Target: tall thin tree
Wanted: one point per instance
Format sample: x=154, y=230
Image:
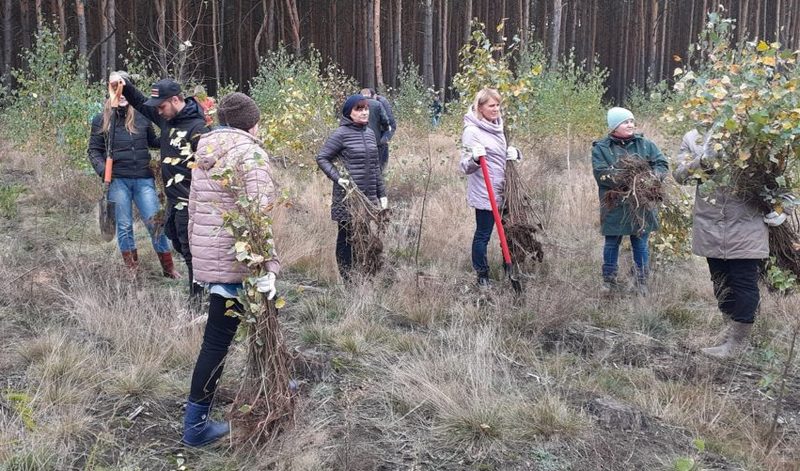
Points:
x=427, y=44
x=376, y=18
x=556, y=34
x=80, y=13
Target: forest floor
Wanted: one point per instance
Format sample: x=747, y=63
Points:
x=412, y=369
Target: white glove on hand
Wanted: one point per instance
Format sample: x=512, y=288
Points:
x=477, y=151
x=343, y=182
x=512, y=153
x=789, y=202
x=266, y=284
x=384, y=202
x=774, y=219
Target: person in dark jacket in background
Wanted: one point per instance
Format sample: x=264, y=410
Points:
x=129, y=135
x=733, y=235
x=624, y=219
x=354, y=145
x=182, y=122
x=382, y=123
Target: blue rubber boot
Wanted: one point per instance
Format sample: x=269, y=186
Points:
x=198, y=430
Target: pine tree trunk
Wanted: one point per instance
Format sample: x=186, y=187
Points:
x=377, y=39
x=369, y=42
x=427, y=45
x=467, y=20
x=294, y=20
x=665, y=19
x=444, y=46
x=651, y=67
x=62, y=25
x=398, y=39
x=7, y=40
x=39, y=16
x=161, y=33
x=80, y=12
x=103, y=36
x=556, y=36
x=112, y=41
x=261, y=29
x=214, y=46
x=25, y=19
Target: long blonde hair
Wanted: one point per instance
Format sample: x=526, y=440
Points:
x=482, y=97
x=129, y=118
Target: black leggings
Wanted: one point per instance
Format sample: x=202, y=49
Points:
x=217, y=337
x=344, y=251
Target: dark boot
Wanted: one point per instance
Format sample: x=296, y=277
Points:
x=198, y=430
x=131, y=259
x=167, y=266
x=735, y=341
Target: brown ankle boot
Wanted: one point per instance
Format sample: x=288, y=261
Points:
x=131, y=259
x=168, y=266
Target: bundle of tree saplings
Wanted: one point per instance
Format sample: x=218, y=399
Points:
x=264, y=404
x=520, y=220
x=637, y=186
x=368, y=224
x=745, y=99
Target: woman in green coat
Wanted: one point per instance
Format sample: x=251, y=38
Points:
x=624, y=219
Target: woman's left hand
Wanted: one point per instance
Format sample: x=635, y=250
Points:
x=266, y=284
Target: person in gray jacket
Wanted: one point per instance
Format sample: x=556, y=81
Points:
x=733, y=236
x=355, y=146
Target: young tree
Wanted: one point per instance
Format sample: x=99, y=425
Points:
x=294, y=20
x=7, y=42
x=369, y=43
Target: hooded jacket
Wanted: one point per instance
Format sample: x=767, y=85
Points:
x=183, y=130
x=620, y=220
x=355, y=146
x=130, y=151
x=213, y=257
x=723, y=225
x=489, y=135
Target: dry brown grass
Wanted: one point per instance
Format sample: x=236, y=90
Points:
x=412, y=368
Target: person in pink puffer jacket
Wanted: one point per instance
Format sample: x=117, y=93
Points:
x=483, y=136
x=232, y=145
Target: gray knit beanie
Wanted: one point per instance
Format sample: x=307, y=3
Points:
x=238, y=110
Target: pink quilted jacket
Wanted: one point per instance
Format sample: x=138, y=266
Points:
x=213, y=259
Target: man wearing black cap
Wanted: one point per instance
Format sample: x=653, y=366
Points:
x=181, y=122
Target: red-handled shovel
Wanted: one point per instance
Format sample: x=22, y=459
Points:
x=501, y=233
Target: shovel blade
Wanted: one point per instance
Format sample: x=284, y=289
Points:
x=106, y=219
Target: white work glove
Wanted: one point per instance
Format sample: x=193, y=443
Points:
x=512, y=153
x=477, y=151
x=266, y=284
x=343, y=182
x=789, y=202
x=774, y=219
x=384, y=202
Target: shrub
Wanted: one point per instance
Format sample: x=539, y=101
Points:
x=52, y=106
x=412, y=100
x=299, y=101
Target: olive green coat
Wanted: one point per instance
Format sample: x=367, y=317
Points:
x=620, y=219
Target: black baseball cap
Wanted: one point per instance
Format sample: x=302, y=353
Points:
x=161, y=90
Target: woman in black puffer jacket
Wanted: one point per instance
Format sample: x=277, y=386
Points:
x=354, y=144
x=129, y=135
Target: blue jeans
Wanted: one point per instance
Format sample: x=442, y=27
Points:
x=142, y=191
x=641, y=256
x=484, y=223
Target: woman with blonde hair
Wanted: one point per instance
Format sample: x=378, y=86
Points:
x=483, y=136
x=127, y=135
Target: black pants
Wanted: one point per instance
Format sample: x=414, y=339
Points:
x=736, y=287
x=176, y=228
x=344, y=251
x=217, y=338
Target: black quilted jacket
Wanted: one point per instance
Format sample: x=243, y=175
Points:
x=355, y=147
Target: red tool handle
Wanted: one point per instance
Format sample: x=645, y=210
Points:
x=107, y=174
x=496, y=212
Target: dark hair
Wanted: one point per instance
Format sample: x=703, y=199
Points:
x=361, y=105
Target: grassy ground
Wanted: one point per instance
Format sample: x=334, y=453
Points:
x=412, y=369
